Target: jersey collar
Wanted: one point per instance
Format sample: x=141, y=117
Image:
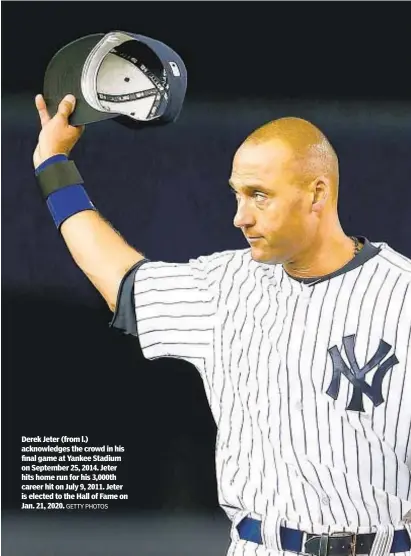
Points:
x=367, y=252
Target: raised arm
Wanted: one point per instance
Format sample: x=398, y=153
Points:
x=99, y=250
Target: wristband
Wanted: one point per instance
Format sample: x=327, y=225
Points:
x=51, y=160
x=61, y=186
x=65, y=202
x=56, y=173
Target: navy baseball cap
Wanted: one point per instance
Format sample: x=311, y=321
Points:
x=133, y=79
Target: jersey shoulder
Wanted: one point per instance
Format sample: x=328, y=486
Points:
x=221, y=260
x=215, y=272
x=393, y=259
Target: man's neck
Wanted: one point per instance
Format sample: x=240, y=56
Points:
x=323, y=259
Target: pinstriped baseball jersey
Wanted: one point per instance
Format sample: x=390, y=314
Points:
x=309, y=383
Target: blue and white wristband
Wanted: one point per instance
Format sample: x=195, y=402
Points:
x=61, y=186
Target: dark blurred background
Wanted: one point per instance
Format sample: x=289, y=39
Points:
x=343, y=66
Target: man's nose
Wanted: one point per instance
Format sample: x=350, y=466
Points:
x=244, y=217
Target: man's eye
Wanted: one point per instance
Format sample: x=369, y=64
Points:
x=259, y=196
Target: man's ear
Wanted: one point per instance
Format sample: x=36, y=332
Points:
x=321, y=192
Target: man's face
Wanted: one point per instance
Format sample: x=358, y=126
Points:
x=274, y=211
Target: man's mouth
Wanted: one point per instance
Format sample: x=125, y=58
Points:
x=252, y=239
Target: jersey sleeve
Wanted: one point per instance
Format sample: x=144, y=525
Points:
x=170, y=307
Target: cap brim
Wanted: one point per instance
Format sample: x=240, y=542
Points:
x=63, y=76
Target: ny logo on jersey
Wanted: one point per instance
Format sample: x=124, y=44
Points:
x=357, y=376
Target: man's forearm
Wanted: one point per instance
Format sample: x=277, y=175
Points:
x=99, y=251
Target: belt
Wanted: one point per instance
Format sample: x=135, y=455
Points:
x=335, y=544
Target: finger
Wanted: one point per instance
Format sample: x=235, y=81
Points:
x=42, y=110
x=66, y=106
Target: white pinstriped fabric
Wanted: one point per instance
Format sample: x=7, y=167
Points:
x=267, y=348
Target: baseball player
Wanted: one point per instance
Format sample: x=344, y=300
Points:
x=302, y=341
